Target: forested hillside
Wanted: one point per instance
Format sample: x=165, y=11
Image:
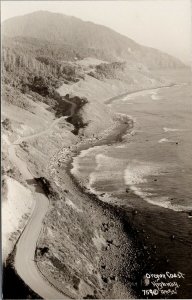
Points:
x=41, y=51
x=80, y=39
x=25, y=66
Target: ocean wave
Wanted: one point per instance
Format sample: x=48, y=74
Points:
x=164, y=140
x=171, y=129
x=155, y=96
x=137, y=173
x=142, y=93
x=159, y=201
x=108, y=176
x=108, y=172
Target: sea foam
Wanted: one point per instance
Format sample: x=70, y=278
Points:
x=171, y=129
x=137, y=171
x=155, y=96
x=136, y=174
x=164, y=140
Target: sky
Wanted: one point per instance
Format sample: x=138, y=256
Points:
x=161, y=24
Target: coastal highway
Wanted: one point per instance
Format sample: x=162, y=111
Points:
x=25, y=248
x=25, y=265
x=25, y=251
x=55, y=122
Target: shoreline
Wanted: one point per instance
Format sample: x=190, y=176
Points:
x=111, y=100
x=162, y=240
x=110, y=212
x=109, y=132
x=130, y=231
x=147, y=239
x=132, y=228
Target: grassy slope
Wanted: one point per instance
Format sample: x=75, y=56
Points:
x=99, y=86
x=30, y=107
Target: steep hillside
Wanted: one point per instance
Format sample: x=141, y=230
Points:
x=58, y=73
x=61, y=29
x=39, y=68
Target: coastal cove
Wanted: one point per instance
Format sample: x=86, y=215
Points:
x=96, y=155
x=163, y=225
x=145, y=227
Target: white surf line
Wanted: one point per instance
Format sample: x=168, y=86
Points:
x=153, y=92
x=134, y=176
x=154, y=96
x=123, y=97
x=139, y=93
x=172, y=129
x=164, y=140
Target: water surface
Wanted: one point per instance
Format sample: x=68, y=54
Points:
x=155, y=158
x=149, y=176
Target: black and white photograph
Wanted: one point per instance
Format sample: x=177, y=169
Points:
x=96, y=155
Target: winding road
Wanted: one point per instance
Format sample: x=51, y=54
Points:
x=27, y=243
x=55, y=122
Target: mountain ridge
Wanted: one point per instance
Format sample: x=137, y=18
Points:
x=63, y=29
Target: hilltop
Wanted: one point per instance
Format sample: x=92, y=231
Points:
x=86, y=38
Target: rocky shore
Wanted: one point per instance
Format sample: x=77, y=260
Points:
x=107, y=255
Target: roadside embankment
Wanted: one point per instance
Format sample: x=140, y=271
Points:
x=88, y=246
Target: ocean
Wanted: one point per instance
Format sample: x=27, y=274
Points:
x=150, y=173
x=155, y=158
